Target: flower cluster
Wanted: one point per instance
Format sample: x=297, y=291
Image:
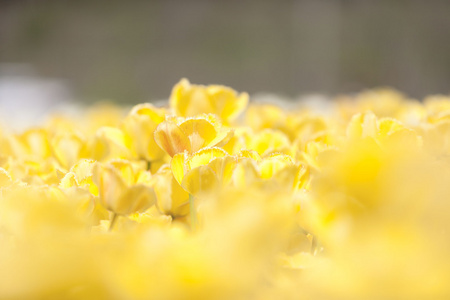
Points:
x=215, y=198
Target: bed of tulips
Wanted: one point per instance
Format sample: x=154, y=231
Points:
x=213, y=197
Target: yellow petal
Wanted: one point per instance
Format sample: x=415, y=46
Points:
x=180, y=199
x=83, y=169
x=226, y=103
x=200, y=180
x=179, y=166
x=292, y=176
x=245, y=173
x=404, y=140
x=274, y=163
x=81, y=198
x=312, y=151
x=388, y=126
x=302, y=177
x=200, y=133
x=68, y=180
x=161, y=183
x=172, y=199
x=114, y=142
x=177, y=99
x=143, y=176
x=37, y=142
x=264, y=116
x=140, y=126
x=110, y=185
x=204, y=157
x=171, y=138
x=224, y=168
x=66, y=148
x=189, y=100
x=362, y=125
x=249, y=154
x=147, y=109
x=269, y=141
x=125, y=170
x=135, y=199
x=223, y=137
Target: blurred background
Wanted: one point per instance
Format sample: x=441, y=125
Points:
x=135, y=51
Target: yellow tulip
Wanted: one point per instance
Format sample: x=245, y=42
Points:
x=265, y=116
x=107, y=143
x=383, y=102
x=216, y=174
x=176, y=136
x=362, y=125
x=139, y=126
x=386, y=131
x=306, y=127
x=103, y=114
x=190, y=100
x=171, y=198
x=123, y=190
x=66, y=148
x=182, y=163
x=270, y=141
x=81, y=175
x=311, y=153
x=33, y=144
x=284, y=171
x=437, y=108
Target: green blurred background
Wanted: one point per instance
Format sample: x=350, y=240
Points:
x=134, y=51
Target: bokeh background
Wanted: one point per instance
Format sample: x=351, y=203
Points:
x=135, y=51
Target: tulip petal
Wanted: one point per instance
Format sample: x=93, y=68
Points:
x=205, y=156
x=171, y=138
x=200, y=180
x=200, y=133
x=179, y=166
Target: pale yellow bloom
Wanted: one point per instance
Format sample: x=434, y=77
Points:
x=269, y=141
x=81, y=175
x=192, y=134
x=33, y=144
x=190, y=100
x=107, y=143
x=140, y=125
x=265, y=116
x=66, y=148
x=122, y=189
x=195, y=172
x=171, y=198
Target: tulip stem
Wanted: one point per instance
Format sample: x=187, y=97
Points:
x=149, y=165
x=193, y=212
x=113, y=221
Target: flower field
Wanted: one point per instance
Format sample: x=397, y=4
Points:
x=214, y=196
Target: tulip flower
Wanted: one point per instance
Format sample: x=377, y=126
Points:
x=191, y=100
x=123, y=190
x=171, y=198
x=139, y=126
x=192, y=134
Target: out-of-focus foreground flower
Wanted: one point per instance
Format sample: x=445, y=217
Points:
x=214, y=198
